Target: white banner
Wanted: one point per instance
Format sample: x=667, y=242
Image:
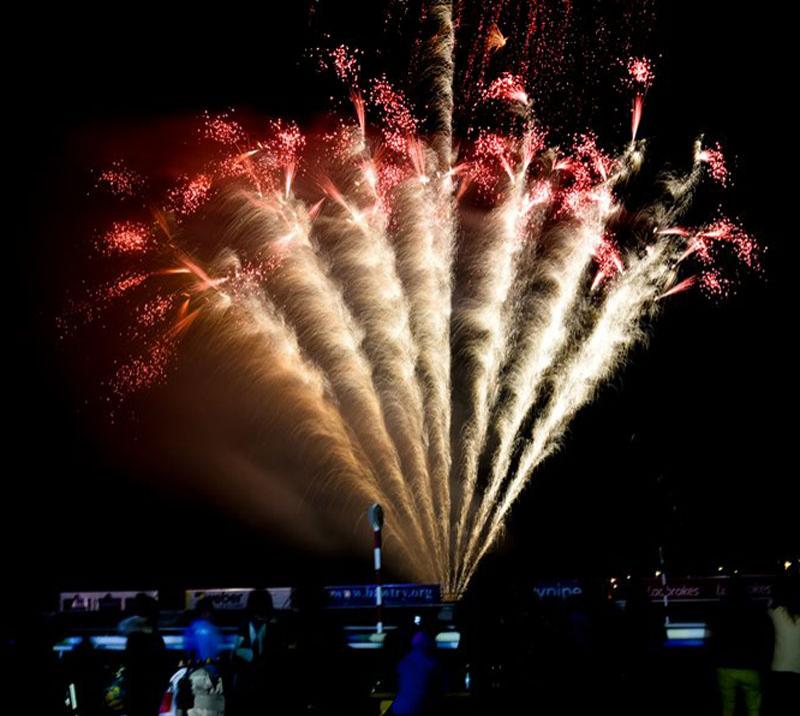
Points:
x=237, y=598
x=97, y=601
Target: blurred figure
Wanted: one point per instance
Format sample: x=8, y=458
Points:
x=85, y=672
x=784, y=686
x=642, y=635
x=196, y=691
x=35, y=676
x=420, y=679
x=486, y=641
x=740, y=649
x=144, y=659
x=550, y=672
x=320, y=678
x=254, y=654
x=589, y=624
x=202, y=639
x=259, y=626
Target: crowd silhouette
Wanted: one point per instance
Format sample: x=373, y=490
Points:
x=518, y=653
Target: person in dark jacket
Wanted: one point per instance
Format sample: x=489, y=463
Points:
x=740, y=640
x=255, y=654
x=145, y=659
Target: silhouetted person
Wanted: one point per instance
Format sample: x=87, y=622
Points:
x=588, y=625
x=784, y=686
x=321, y=681
x=254, y=656
x=85, y=671
x=549, y=669
x=517, y=650
x=144, y=659
x=420, y=679
x=740, y=648
x=641, y=636
x=35, y=676
x=487, y=640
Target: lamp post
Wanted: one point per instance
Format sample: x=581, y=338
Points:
x=376, y=521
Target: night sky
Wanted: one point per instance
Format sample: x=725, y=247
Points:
x=690, y=446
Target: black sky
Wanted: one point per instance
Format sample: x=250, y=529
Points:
x=691, y=446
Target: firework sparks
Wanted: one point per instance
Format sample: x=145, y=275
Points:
x=369, y=281
x=126, y=237
x=640, y=70
x=189, y=194
x=496, y=40
x=717, y=166
x=222, y=129
x=506, y=87
x=120, y=181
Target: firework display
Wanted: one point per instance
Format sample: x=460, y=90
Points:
x=422, y=311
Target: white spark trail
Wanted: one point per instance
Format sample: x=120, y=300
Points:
x=327, y=330
x=616, y=329
x=481, y=323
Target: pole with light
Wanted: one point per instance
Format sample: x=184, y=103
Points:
x=376, y=521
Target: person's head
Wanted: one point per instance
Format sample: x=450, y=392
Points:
x=735, y=593
x=786, y=593
x=638, y=597
x=205, y=609
x=143, y=605
x=422, y=642
x=259, y=604
x=309, y=598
